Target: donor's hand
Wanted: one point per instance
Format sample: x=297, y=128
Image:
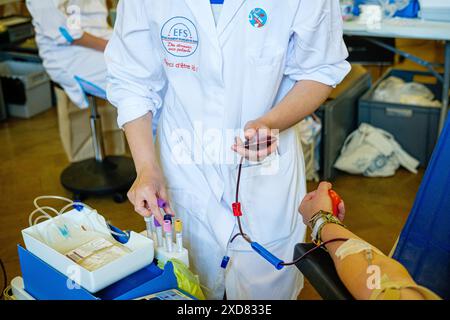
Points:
x=319, y=200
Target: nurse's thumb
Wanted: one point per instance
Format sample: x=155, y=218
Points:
x=250, y=133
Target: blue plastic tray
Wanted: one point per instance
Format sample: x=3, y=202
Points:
x=44, y=282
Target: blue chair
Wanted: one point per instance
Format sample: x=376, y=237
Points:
x=102, y=175
x=424, y=244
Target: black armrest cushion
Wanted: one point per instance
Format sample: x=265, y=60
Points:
x=318, y=268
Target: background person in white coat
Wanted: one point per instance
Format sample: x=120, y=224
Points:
x=71, y=36
x=245, y=64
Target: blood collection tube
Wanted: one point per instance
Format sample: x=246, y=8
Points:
x=162, y=204
x=168, y=217
x=159, y=234
x=179, y=234
x=168, y=233
x=149, y=226
x=150, y=223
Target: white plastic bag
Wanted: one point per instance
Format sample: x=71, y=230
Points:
x=387, y=90
x=374, y=153
x=380, y=9
x=395, y=90
x=310, y=131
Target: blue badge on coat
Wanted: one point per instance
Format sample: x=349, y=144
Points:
x=258, y=18
x=179, y=37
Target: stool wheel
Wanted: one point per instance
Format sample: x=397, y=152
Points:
x=120, y=197
x=80, y=197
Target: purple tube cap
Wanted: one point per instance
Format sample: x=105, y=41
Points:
x=157, y=224
x=162, y=204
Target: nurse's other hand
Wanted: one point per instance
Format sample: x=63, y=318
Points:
x=144, y=194
x=262, y=141
x=319, y=200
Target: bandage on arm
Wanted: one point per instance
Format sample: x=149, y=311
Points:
x=352, y=264
x=92, y=42
x=401, y=290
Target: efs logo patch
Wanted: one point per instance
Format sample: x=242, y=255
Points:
x=179, y=37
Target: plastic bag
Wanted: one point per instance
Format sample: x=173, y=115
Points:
x=395, y=90
x=389, y=8
x=64, y=234
x=310, y=131
x=346, y=9
x=387, y=90
x=374, y=153
x=418, y=94
x=187, y=281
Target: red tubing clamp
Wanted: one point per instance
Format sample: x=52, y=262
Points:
x=237, y=209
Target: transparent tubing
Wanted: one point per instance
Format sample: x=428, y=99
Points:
x=70, y=204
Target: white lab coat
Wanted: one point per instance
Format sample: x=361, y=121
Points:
x=61, y=60
x=220, y=77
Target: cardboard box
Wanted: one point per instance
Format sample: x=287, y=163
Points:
x=75, y=130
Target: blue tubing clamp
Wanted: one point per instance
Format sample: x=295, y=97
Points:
x=263, y=252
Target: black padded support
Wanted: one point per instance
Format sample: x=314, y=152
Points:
x=318, y=268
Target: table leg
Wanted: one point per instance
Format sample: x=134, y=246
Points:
x=446, y=85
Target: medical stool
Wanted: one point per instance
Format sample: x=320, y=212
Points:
x=102, y=175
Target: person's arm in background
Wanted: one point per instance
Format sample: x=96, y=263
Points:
x=61, y=26
x=89, y=41
x=315, y=60
x=136, y=76
x=353, y=269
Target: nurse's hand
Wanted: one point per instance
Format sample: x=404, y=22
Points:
x=144, y=194
x=319, y=200
x=261, y=141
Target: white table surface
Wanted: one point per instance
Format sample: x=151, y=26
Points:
x=400, y=28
